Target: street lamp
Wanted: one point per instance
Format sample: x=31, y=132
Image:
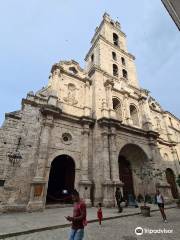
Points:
x=15, y=157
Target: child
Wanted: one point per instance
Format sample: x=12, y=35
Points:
x=99, y=213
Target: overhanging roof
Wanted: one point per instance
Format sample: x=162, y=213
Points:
x=173, y=7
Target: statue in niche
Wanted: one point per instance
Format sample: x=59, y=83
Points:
x=70, y=99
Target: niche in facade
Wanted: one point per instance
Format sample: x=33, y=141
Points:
x=117, y=107
x=134, y=115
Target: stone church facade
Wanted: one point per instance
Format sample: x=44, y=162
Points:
x=87, y=129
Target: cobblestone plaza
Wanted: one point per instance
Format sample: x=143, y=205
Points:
x=119, y=229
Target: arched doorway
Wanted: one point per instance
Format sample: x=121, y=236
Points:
x=131, y=158
x=171, y=180
x=125, y=175
x=61, y=180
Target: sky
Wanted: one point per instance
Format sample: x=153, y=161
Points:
x=36, y=34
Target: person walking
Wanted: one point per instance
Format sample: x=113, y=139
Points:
x=160, y=202
x=119, y=199
x=99, y=213
x=78, y=219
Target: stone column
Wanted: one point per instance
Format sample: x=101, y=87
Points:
x=37, y=196
x=105, y=155
x=107, y=184
x=43, y=147
x=114, y=164
x=113, y=156
x=85, y=153
x=127, y=109
x=87, y=99
x=108, y=86
x=84, y=183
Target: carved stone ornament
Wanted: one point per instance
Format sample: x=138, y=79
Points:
x=71, y=99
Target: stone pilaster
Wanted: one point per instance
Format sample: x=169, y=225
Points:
x=107, y=184
x=85, y=183
x=127, y=109
x=43, y=148
x=87, y=99
x=85, y=153
x=114, y=166
x=108, y=87
x=105, y=154
x=113, y=156
x=38, y=184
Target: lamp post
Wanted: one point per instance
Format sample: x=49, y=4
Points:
x=15, y=157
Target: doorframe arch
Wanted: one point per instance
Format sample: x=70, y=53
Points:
x=175, y=193
x=76, y=156
x=132, y=160
x=140, y=146
x=57, y=160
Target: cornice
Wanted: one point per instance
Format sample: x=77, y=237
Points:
x=175, y=129
x=70, y=62
x=11, y=115
x=50, y=110
x=106, y=122
x=57, y=113
x=172, y=115
x=118, y=48
x=155, y=110
x=96, y=68
x=84, y=80
x=166, y=143
x=129, y=55
x=114, y=27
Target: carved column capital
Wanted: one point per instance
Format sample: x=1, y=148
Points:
x=109, y=83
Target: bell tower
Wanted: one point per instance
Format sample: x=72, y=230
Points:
x=109, y=53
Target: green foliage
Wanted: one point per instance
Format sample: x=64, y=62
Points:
x=147, y=173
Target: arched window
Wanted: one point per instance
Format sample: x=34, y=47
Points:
x=125, y=74
x=171, y=122
x=115, y=39
x=114, y=56
x=111, y=22
x=117, y=107
x=115, y=70
x=123, y=61
x=171, y=179
x=134, y=115
x=73, y=70
x=92, y=58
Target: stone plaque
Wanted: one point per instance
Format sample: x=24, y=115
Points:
x=38, y=190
